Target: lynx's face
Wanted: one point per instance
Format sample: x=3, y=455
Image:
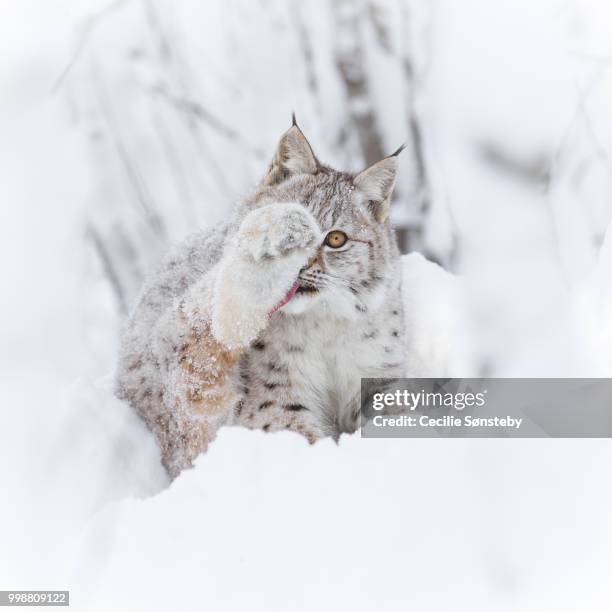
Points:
x=348, y=272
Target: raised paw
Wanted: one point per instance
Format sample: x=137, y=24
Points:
x=259, y=269
x=276, y=230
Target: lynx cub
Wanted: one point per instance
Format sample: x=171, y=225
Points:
x=270, y=321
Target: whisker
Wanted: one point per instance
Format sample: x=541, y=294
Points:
x=332, y=281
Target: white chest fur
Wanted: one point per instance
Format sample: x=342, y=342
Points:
x=326, y=357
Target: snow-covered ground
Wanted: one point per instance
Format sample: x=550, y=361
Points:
x=268, y=522
x=514, y=101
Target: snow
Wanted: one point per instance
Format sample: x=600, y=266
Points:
x=514, y=103
x=268, y=522
x=437, y=322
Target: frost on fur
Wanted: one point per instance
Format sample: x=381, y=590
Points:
x=263, y=323
x=260, y=265
x=196, y=317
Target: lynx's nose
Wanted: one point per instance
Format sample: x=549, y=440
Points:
x=315, y=259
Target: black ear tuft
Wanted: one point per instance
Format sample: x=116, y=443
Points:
x=398, y=151
x=293, y=120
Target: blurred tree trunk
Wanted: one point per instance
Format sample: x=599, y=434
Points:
x=350, y=18
x=355, y=23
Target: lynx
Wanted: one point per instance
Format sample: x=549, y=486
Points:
x=271, y=320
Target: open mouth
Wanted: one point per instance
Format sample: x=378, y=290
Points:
x=296, y=289
x=306, y=289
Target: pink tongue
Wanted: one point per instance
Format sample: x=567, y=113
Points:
x=288, y=297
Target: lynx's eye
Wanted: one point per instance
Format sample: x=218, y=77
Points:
x=335, y=239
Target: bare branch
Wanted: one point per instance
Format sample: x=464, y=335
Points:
x=86, y=28
x=107, y=265
x=198, y=111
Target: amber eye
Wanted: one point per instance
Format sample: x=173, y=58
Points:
x=335, y=239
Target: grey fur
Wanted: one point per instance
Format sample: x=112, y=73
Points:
x=303, y=371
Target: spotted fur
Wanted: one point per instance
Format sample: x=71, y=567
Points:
x=189, y=368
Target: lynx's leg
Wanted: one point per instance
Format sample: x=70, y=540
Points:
x=219, y=318
x=282, y=411
x=199, y=396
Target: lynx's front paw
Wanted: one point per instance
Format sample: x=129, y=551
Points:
x=258, y=271
x=276, y=230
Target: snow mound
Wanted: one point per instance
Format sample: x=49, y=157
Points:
x=264, y=521
x=117, y=456
x=267, y=522
x=437, y=323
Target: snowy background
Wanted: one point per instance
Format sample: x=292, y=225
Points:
x=126, y=124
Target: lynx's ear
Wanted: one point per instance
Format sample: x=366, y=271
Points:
x=376, y=184
x=293, y=156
